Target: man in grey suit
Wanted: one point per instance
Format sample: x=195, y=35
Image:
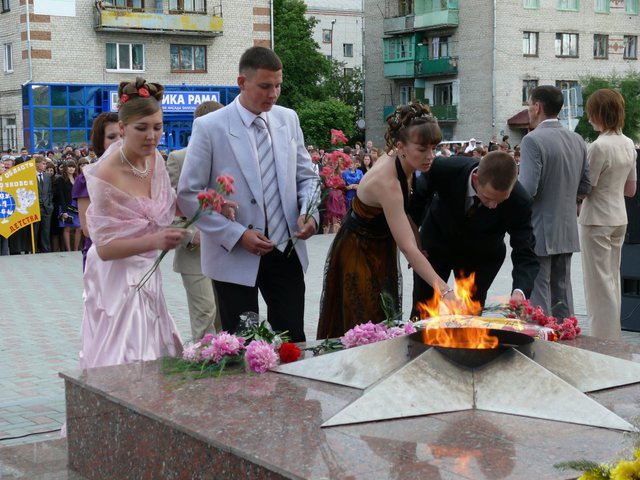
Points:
x=42, y=229
x=553, y=169
x=201, y=295
x=261, y=146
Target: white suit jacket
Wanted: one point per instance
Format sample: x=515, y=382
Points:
x=553, y=169
x=221, y=144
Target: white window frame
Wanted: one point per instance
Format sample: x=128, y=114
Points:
x=600, y=51
x=347, y=50
x=407, y=94
x=564, y=44
x=326, y=35
x=5, y=6
x=630, y=47
x=527, y=86
x=8, y=58
x=631, y=7
x=531, y=4
x=118, y=67
x=197, y=6
x=347, y=71
x=529, y=47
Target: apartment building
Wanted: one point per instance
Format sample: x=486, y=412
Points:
x=63, y=60
x=339, y=31
x=476, y=61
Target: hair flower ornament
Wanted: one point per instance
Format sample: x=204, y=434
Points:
x=143, y=92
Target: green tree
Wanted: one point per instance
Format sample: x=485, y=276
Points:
x=303, y=65
x=318, y=117
x=629, y=87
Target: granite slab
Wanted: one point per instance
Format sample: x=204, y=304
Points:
x=134, y=421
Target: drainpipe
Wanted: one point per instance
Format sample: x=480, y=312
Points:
x=273, y=41
x=28, y=44
x=493, y=69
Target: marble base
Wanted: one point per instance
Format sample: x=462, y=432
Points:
x=133, y=421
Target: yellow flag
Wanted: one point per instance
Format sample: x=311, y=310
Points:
x=19, y=205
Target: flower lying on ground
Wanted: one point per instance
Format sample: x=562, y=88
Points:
x=369, y=332
x=257, y=345
x=522, y=309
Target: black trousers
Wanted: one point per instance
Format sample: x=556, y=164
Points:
x=281, y=283
x=486, y=266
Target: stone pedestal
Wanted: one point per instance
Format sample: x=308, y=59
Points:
x=133, y=421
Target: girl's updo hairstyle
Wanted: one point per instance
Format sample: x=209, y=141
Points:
x=138, y=99
x=412, y=122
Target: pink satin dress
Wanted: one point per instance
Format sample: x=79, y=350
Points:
x=121, y=324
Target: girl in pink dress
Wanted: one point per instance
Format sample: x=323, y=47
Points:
x=132, y=203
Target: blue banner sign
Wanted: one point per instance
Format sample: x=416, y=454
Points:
x=175, y=101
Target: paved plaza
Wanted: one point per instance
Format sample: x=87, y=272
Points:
x=40, y=317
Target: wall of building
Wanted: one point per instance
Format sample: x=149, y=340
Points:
x=69, y=50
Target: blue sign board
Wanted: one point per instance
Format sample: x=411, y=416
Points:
x=183, y=102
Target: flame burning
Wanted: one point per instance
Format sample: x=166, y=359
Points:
x=465, y=288
x=472, y=338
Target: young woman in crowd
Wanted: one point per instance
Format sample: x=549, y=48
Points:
x=68, y=219
x=363, y=260
x=603, y=216
x=104, y=132
x=132, y=203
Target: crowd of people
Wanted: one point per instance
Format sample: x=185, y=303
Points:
x=448, y=208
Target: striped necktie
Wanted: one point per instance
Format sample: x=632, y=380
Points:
x=276, y=223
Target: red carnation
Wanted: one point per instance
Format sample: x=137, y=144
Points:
x=124, y=98
x=289, y=352
x=143, y=92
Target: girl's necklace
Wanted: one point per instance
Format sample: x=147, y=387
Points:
x=136, y=171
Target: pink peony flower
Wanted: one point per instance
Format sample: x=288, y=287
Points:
x=261, y=356
x=190, y=352
x=364, y=334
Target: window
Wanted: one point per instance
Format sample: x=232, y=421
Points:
x=440, y=47
x=531, y=4
x=133, y=4
x=398, y=48
x=188, y=6
x=601, y=6
x=530, y=43
x=125, y=56
x=527, y=86
x=405, y=7
x=8, y=57
x=326, y=36
x=406, y=94
x=572, y=93
x=5, y=6
x=566, y=44
x=443, y=94
x=188, y=58
x=630, y=47
x=347, y=72
x=600, y=43
x=572, y=5
x=347, y=49
x=631, y=7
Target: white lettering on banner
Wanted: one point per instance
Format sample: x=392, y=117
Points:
x=173, y=99
x=197, y=99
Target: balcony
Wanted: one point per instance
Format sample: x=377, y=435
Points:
x=403, y=69
x=395, y=25
x=127, y=20
x=436, y=67
x=445, y=113
x=446, y=16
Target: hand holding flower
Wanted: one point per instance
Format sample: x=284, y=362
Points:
x=307, y=226
x=168, y=238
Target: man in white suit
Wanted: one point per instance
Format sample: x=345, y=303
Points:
x=553, y=169
x=239, y=255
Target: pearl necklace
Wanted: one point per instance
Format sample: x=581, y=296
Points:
x=136, y=171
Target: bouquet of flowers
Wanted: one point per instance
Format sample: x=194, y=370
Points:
x=256, y=344
x=208, y=202
x=622, y=470
x=567, y=330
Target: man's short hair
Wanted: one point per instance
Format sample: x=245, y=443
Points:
x=259, y=57
x=550, y=97
x=207, y=107
x=499, y=170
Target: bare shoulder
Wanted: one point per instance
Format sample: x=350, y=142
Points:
x=379, y=183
